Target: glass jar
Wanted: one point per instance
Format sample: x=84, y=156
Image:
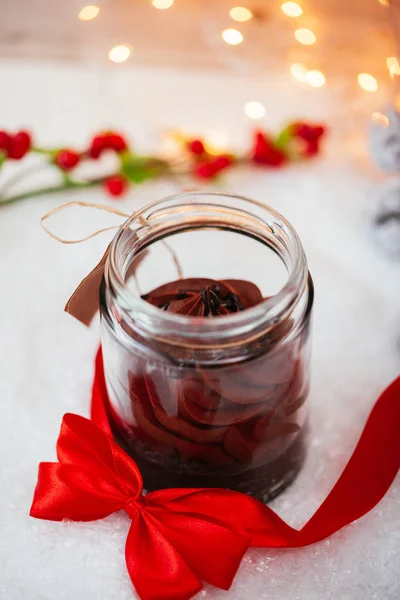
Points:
x=209, y=402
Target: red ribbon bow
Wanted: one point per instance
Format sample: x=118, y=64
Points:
x=181, y=537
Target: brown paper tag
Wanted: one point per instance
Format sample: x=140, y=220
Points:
x=84, y=302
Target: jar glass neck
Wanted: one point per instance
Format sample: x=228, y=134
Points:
x=201, y=210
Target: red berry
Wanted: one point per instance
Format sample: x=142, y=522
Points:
x=297, y=128
x=264, y=153
x=204, y=170
x=99, y=143
x=309, y=133
x=116, y=142
x=196, y=147
x=117, y=185
x=210, y=169
x=67, y=159
x=311, y=148
x=107, y=141
x=5, y=141
x=19, y=145
x=319, y=130
x=222, y=162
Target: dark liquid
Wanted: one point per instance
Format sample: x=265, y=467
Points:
x=262, y=482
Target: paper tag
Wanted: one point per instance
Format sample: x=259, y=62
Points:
x=84, y=302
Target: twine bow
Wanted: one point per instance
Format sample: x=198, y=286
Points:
x=84, y=302
x=103, y=207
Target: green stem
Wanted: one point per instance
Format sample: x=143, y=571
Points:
x=52, y=190
x=43, y=151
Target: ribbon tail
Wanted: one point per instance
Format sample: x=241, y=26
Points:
x=156, y=569
x=366, y=477
x=98, y=413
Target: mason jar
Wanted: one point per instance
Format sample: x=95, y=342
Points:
x=200, y=401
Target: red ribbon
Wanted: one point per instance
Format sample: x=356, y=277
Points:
x=181, y=537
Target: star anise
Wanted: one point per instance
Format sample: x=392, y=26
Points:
x=205, y=297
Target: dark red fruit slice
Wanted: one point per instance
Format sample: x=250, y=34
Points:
x=244, y=443
x=158, y=387
x=156, y=432
x=227, y=414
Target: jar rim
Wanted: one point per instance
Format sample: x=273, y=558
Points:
x=271, y=310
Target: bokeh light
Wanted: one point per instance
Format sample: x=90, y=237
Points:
x=254, y=110
x=298, y=71
x=393, y=66
x=216, y=142
x=233, y=37
x=120, y=53
x=89, y=12
x=305, y=36
x=367, y=82
x=162, y=4
x=291, y=9
x=315, y=78
x=241, y=14
x=380, y=119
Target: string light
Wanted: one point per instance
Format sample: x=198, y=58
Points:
x=380, y=119
x=233, y=37
x=241, y=14
x=305, y=36
x=392, y=61
x=367, y=82
x=315, y=78
x=119, y=53
x=298, y=71
x=254, y=110
x=89, y=12
x=393, y=66
x=162, y=4
x=291, y=9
